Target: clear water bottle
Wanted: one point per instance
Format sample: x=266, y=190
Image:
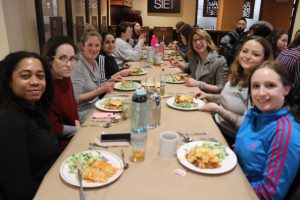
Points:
x=139, y=122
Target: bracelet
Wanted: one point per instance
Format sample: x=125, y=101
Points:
x=201, y=85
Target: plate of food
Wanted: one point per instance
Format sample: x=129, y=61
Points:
x=207, y=157
x=110, y=104
x=185, y=102
x=98, y=168
x=127, y=85
x=137, y=71
x=175, y=78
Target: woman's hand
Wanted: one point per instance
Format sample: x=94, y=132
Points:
x=210, y=107
x=126, y=66
x=201, y=95
x=190, y=82
x=116, y=78
x=108, y=86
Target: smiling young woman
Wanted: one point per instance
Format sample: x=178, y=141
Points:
x=230, y=106
x=268, y=142
x=27, y=146
x=87, y=83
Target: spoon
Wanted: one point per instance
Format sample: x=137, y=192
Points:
x=186, y=137
x=126, y=165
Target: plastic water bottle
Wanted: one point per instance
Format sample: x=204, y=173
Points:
x=139, y=122
x=153, y=41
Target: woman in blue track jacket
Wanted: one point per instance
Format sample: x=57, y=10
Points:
x=268, y=142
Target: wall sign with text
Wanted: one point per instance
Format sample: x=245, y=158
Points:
x=248, y=8
x=210, y=8
x=164, y=6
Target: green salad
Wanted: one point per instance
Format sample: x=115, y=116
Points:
x=127, y=85
x=218, y=149
x=82, y=159
x=185, y=105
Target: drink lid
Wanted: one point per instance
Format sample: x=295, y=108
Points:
x=140, y=95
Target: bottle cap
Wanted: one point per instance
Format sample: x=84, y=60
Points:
x=140, y=95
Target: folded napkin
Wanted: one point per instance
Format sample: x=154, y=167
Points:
x=102, y=115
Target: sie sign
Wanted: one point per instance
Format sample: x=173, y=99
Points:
x=164, y=6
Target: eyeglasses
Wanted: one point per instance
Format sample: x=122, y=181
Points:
x=198, y=40
x=63, y=59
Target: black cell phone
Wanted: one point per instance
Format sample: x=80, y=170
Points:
x=115, y=137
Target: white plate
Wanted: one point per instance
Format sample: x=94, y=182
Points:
x=139, y=74
x=101, y=103
x=226, y=165
x=117, y=86
x=171, y=101
x=175, y=82
x=71, y=178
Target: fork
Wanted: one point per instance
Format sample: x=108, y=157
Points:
x=79, y=173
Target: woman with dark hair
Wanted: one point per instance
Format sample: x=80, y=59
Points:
x=230, y=106
x=290, y=58
x=27, y=146
x=207, y=68
x=124, y=51
x=107, y=62
x=86, y=76
x=278, y=40
x=136, y=32
x=268, y=143
x=61, y=54
x=185, y=33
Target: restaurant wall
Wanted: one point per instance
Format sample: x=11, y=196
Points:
x=278, y=14
x=187, y=14
x=297, y=21
x=4, y=50
x=226, y=18
x=20, y=23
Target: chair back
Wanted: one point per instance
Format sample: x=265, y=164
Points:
x=163, y=32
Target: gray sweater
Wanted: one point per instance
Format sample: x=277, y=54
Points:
x=124, y=52
x=234, y=99
x=213, y=70
x=85, y=79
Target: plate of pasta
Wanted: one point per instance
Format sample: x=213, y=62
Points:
x=137, y=71
x=185, y=102
x=110, y=104
x=98, y=168
x=207, y=157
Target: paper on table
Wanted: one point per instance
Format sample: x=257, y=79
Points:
x=101, y=115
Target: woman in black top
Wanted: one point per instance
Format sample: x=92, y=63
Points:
x=27, y=146
x=107, y=62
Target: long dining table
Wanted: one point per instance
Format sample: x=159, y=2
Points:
x=155, y=177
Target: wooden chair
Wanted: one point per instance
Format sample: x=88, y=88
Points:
x=164, y=32
x=112, y=29
x=145, y=29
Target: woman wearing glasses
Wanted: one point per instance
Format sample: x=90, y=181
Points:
x=86, y=75
x=60, y=53
x=207, y=68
